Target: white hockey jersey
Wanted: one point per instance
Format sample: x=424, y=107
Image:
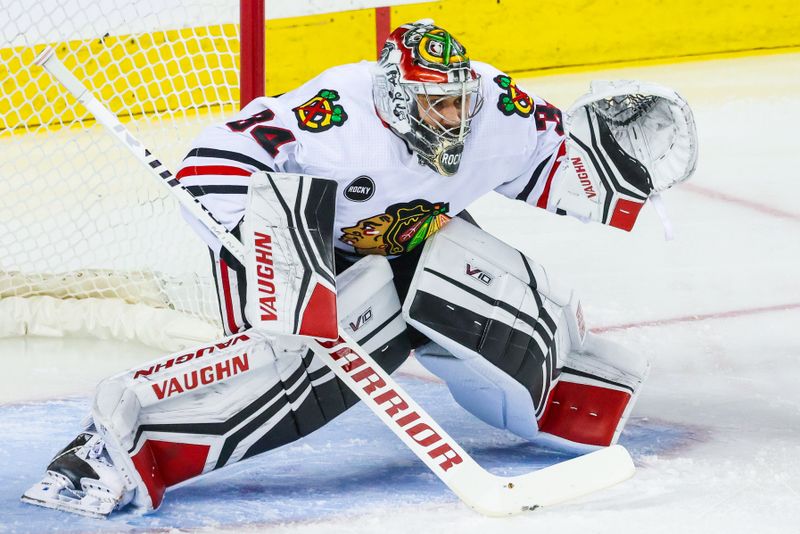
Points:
x=387, y=201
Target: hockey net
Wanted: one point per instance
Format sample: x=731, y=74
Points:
x=90, y=244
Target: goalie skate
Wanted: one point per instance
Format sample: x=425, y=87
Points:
x=81, y=479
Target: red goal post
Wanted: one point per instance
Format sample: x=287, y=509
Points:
x=251, y=57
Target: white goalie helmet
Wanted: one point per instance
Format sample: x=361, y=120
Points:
x=427, y=93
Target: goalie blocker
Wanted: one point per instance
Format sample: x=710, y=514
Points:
x=288, y=255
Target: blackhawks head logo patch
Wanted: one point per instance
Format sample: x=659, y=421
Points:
x=401, y=229
x=515, y=101
x=320, y=113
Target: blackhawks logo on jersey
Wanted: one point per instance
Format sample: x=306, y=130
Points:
x=320, y=113
x=514, y=100
x=401, y=229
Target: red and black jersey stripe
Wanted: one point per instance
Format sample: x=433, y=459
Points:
x=216, y=153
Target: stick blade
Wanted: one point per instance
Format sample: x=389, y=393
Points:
x=556, y=484
x=583, y=475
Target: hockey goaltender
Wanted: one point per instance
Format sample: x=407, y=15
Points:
x=404, y=146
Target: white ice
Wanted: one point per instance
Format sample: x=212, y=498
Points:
x=716, y=433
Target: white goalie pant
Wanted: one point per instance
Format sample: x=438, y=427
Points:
x=512, y=346
x=189, y=413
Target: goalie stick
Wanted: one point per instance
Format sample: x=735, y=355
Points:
x=483, y=491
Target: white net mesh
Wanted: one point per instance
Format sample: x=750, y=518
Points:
x=79, y=219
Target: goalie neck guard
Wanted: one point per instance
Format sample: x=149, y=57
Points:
x=427, y=93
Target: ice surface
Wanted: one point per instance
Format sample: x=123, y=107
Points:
x=716, y=434
x=350, y=468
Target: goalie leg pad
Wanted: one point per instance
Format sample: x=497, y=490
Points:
x=481, y=388
x=370, y=311
x=498, y=316
x=597, y=389
x=504, y=337
x=189, y=413
x=138, y=412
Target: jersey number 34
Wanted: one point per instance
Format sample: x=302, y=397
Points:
x=269, y=137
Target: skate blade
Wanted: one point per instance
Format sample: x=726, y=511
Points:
x=45, y=496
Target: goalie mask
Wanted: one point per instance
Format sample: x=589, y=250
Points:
x=427, y=93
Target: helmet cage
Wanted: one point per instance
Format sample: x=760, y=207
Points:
x=436, y=134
